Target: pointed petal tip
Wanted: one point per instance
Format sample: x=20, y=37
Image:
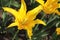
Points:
x=38, y=21
x=12, y=25
x=43, y=23
x=9, y=26
x=4, y=8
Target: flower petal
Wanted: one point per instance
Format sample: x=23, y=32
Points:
x=22, y=10
x=12, y=24
x=57, y=12
x=59, y=5
x=29, y=31
x=50, y=6
x=37, y=21
x=34, y=12
x=10, y=10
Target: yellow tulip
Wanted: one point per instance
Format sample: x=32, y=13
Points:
x=23, y=19
x=58, y=31
x=50, y=6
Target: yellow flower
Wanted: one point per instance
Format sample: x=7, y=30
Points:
x=58, y=31
x=50, y=6
x=23, y=19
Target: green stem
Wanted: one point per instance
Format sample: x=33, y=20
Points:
x=15, y=35
x=43, y=16
x=9, y=3
x=51, y=20
x=1, y=3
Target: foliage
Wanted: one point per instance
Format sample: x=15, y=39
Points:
x=40, y=32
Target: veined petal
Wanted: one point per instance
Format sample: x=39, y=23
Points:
x=12, y=24
x=34, y=12
x=10, y=10
x=58, y=31
x=40, y=1
x=50, y=7
x=37, y=21
x=22, y=10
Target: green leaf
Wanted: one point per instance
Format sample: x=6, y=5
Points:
x=16, y=4
x=54, y=36
x=4, y=16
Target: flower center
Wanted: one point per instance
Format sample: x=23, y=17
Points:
x=24, y=21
